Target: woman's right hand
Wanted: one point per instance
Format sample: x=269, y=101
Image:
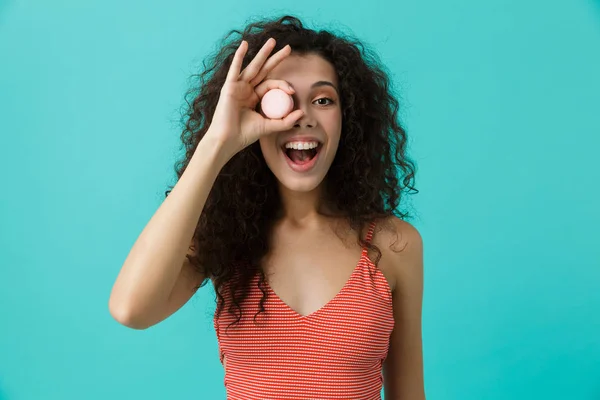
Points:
x=236, y=124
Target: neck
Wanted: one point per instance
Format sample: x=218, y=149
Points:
x=300, y=208
x=305, y=209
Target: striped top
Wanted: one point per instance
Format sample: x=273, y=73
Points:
x=337, y=352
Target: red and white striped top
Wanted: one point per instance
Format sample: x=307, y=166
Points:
x=337, y=352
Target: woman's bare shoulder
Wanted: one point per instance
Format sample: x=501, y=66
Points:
x=400, y=244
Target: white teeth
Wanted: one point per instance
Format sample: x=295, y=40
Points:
x=301, y=145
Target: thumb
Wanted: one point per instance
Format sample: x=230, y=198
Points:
x=284, y=124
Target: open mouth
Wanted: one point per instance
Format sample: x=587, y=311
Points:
x=302, y=160
x=302, y=156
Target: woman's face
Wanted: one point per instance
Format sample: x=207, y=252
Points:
x=315, y=83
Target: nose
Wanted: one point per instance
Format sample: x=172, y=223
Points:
x=306, y=121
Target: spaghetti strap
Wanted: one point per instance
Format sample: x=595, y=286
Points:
x=370, y=232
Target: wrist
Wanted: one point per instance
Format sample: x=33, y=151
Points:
x=214, y=147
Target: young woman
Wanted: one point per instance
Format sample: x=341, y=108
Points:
x=318, y=276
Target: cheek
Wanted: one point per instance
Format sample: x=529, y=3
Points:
x=334, y=137
x=334, y=127
x=268, y=148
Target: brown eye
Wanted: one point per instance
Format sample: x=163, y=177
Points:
x=324, y=98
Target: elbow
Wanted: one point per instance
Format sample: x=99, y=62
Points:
x=125, y=316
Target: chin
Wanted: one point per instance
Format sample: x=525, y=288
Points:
x=299, y=184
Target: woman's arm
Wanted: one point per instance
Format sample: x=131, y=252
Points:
x=156, y=278
x=403, y=367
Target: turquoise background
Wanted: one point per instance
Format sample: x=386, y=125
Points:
x=501, y=100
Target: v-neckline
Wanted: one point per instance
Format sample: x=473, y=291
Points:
x=297, y=315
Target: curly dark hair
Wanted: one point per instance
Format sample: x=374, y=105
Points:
x=364, y=182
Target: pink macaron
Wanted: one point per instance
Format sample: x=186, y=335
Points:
x=276, y=104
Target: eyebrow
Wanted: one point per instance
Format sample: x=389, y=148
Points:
x=319, y=84
x=323, y=83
